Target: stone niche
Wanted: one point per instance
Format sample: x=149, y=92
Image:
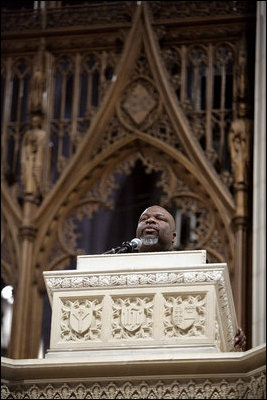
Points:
x=141, y=304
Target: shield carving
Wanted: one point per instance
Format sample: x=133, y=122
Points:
x=184, y=315
x=80, y=318
x=132, y=317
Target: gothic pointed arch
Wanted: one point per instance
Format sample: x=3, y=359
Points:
x=142, y=106
x=179, y=193
x=139, y=106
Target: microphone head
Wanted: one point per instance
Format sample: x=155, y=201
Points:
x=136, y=243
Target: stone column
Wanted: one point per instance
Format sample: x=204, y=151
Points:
x=240, y=144
x=26, y=321
x=27, y=314
x=259, y=184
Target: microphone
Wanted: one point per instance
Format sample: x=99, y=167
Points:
x=126, y=247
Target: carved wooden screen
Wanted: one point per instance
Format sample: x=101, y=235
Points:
x=119, y=86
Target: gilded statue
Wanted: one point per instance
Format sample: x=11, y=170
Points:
x=32, y=157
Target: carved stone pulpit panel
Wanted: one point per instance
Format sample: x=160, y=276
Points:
x=142, y=302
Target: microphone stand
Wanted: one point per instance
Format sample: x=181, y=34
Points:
x=113, y=250
x=126, y=247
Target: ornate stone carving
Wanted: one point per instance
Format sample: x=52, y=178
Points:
x=132, y=318
x=28, y=232
x=227, y=178
x=226, y=313
x=74, y=15
x=217, y=243
x=68, y=234
x=82, y=42
x=252, y=387
x=139, y=105
x=139, y=309
x=187, y=66
x=80, y=319
x=87, y=15
x=162, y=129
x=172, y=59
x=217, y=335
x=192, y=35
x=183, y=10
x=185, y=315
x=21, y=20
x=142, y=67
x=203, y=218
x=113, y=133
x=133, y=280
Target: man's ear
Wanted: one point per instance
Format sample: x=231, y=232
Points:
x=173, y=236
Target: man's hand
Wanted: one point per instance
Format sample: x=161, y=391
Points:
x=240, y=340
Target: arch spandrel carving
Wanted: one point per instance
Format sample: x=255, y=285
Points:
x=97, y=126
x=180, y=123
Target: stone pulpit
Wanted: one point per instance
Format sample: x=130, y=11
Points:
x=140, y=325
x=148, y=304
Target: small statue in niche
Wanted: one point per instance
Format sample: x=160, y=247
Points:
x=38, y=83
x=239, y=143
x=32, y=156
x=242, y=71
x=241, y=128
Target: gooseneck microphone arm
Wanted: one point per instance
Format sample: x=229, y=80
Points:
x=126, y=247
x=113, y=250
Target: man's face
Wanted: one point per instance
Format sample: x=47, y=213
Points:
x=156, y=229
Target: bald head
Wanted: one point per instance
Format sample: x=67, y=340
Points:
x=156, y=229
